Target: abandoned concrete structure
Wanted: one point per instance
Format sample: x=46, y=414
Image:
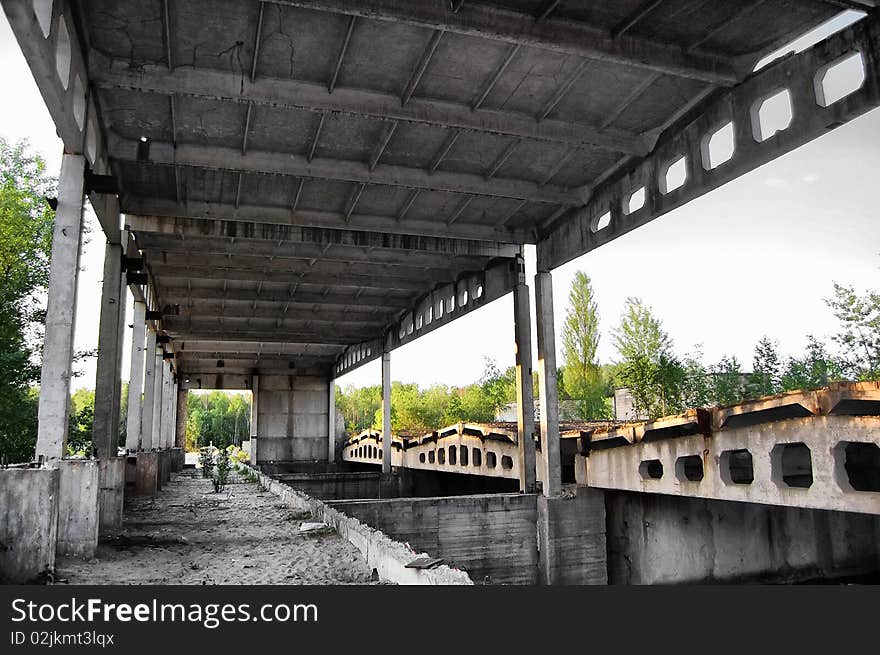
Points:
x=290, y=189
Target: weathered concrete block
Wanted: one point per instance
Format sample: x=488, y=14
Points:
x=571, y=538
x=78, y=507
x=178, y=458
x=311, y=401
x=310, y=426
x=147, y=474
x=28, y=523
x=164, y=470
x=111, y=473
x=492, y=537
x=130, y=472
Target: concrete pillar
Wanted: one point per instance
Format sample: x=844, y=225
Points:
x=172, y=407
x=525, y=403
x=105, y=430
x=54, y=402
x=386, y=411
x=549, y=395
x=149, y=391
x=255, y=416
x=180, y=419
x=158, y=381
x=172, y=402
x=166, y=425
x=331, y=423
x=136, y=379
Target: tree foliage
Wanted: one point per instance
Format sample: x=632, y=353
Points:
x=414, y=409
x=26, y=223
x=582, y=376
x=648, y=366
x=217, y=417
x=859, y=337
x=766, y=376
x=80, y=421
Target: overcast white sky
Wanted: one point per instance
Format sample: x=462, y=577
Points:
x=755, y=257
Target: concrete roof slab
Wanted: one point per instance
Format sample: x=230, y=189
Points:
x=382, y=55
x=294, y=43
x=284, y=130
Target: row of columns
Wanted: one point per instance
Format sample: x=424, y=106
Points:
x=150, y=425
x=549, y=462
x=160, y=421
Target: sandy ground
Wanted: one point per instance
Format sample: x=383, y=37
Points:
x=188, y=534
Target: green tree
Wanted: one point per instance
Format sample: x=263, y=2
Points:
x=80, y=421
x=727, y=387
x=696, y=390
x=814, y=370
x=648, y=366
x=859, y=337
x=26, y=223
x=766, y=376
x=582, y=378
x=217, y=417
x=123, y=415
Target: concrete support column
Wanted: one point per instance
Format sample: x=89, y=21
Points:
x=331, y=423
x=549, y=395
x=386, y=411
x=172, y=425
x=54, y=402
x=105, y=430
x=149, y=409
x=180, y=419
x=167, y=405
x=255, y=416
x=136, y=379
x=525, y=403
x=158, y=381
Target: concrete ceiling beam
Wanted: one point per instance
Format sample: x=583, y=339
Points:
x=552, y=34
x=318, y=337
x=274, y=163
x=179, y=295
x=289, y=235
x=416, y=265
x=255, y=219
x=183, y=272
x=200, y=309
x=269, y=347
x=353, y=254
x=282, y=325
x=292, y=94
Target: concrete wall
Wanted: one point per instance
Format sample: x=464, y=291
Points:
x=386, y=556
x=657, y=539
x=331, y=486
x=78, y=507
x=292, y=418
x=28, y=523
x=492, y=537
x=571, y=538
x=112, y=472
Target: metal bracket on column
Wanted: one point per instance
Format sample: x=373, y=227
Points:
x=132, y=263
x=95, y=183
x=136, y=278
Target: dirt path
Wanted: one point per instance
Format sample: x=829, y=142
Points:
x=188, y=534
